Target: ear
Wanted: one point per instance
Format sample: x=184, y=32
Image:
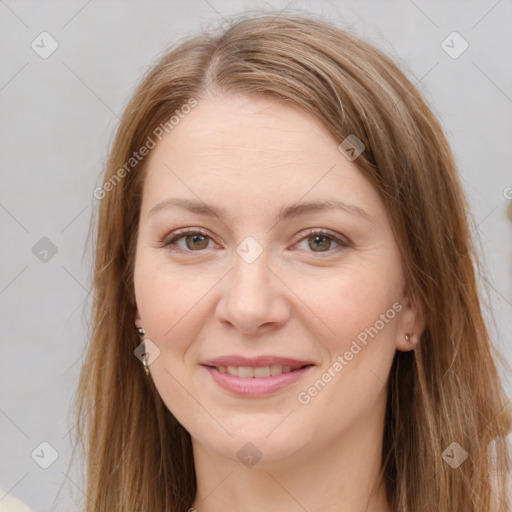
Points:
x=410, y=324
x=138, y=320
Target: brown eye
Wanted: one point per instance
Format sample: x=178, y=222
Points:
x=194, y=241
x=321, y=242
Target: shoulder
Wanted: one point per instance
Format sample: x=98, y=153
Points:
x=9, y=503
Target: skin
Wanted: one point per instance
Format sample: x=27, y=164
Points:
x=253, y=157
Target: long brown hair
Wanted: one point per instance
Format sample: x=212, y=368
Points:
x=446, y=391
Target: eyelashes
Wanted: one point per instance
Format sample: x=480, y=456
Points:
x=178, y=235
x=202, y=241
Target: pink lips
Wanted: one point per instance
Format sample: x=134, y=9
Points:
x=256, y=386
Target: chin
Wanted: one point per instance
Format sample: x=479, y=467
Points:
x=267, y=442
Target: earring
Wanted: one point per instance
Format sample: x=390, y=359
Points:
x=142, y=332
x=145, y=363
x=410, y=340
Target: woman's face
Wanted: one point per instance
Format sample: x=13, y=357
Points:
x=276, y=318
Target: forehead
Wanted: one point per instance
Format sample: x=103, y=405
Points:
x=247, y=152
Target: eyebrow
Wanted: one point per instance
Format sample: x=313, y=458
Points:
x=201, y=208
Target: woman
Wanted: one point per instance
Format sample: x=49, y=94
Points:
x=286, y=312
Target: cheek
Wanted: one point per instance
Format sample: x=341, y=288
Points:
x=353, y=301
x=172, y=315
x=172, y=302
x=362, y=310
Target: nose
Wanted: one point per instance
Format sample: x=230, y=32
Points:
x=254, y=299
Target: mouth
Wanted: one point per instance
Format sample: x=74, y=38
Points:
x=260, y=372
x=257, y=377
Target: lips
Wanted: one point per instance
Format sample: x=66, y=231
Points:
x=255, y=377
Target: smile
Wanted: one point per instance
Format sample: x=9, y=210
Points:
x=248, y=372
x=256, y=381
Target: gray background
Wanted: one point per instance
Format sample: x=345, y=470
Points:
x=57, y=121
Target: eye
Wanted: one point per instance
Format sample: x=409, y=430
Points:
x=195, y=240
x=322, y=240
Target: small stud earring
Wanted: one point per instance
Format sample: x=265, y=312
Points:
x=409, y=339
x=141, y=331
